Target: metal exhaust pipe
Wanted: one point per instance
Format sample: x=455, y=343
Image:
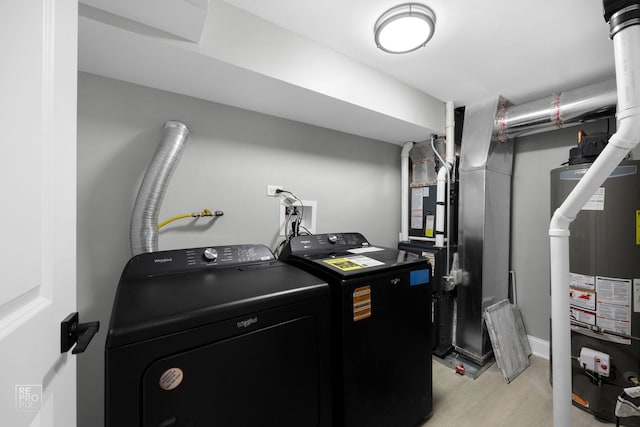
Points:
x=144, y=218
x=559, y=110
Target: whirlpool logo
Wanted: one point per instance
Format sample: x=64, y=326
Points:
x=248, y=322
x=162, y=260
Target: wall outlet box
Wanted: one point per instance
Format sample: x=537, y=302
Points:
x=309, y=209
x=271, y=190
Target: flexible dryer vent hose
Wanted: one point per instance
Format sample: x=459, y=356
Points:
x=144, y=219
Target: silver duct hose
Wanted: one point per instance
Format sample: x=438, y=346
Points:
x=556, y=111
x=144, y=218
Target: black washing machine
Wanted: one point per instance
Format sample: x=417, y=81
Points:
x=220, y=336
x=381, y=304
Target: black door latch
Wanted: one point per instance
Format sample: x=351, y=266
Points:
x=72, y=332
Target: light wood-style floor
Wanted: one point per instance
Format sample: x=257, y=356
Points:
x=488, y=401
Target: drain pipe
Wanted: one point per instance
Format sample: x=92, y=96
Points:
x=624, y=20
x=404, y=209
x=144, y=218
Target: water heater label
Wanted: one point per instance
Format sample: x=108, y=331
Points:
x=596, y=202
x=582, y=299
x=583, y=316
x=636, y=295
x=614, y=306
x=582, y=281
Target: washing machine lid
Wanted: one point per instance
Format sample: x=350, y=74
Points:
x=347, y=255
x=171, y=291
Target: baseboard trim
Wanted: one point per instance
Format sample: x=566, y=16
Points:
x=539, y=347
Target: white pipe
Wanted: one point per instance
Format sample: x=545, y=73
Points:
x=447, y=167
x=626, y=45
x=450, y=124
x=404, y=209
x=422, y=239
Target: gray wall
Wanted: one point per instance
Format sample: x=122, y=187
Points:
x=229, y=159
x=535, y=157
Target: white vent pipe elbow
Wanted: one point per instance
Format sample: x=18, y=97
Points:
x=144, y=218
x=626, y=44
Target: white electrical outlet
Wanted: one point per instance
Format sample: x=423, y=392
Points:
x=271, y=190
x=309, y=209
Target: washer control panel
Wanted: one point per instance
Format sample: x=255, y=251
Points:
x=197, y=258
x=327, y=242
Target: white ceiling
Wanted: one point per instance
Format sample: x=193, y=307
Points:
x=521, y=49
x=315, y=61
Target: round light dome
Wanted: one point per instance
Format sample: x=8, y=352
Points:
x=404, y=28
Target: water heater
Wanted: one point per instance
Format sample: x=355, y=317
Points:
x=604, y=286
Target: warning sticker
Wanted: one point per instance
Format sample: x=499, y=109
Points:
x=361, y=303
x=352, y=262
x=636, y=295
x=614, y=291
x=582, y=298
x=417, y=206
x=587, y=317
x=582, y=281
x=429, y=223
x=614, y=307
x=596, y=202
x=365, y=250
x=343, y=264
x=365, y=261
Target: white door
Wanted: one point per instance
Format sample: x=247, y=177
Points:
x=38, y=77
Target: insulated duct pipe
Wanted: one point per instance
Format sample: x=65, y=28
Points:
x=144, y=219
x=556, y=111
x=624, y=20
x=404, y=209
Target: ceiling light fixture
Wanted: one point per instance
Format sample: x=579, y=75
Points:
x=404, y=28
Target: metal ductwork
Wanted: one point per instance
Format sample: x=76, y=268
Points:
x=486, y=161
x=144, y=219
x=556, y=111
x=484, y=215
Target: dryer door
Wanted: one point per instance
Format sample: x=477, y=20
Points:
x=268, y=377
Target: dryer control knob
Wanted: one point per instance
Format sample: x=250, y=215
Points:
x=332, y=238
x=210, y=254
